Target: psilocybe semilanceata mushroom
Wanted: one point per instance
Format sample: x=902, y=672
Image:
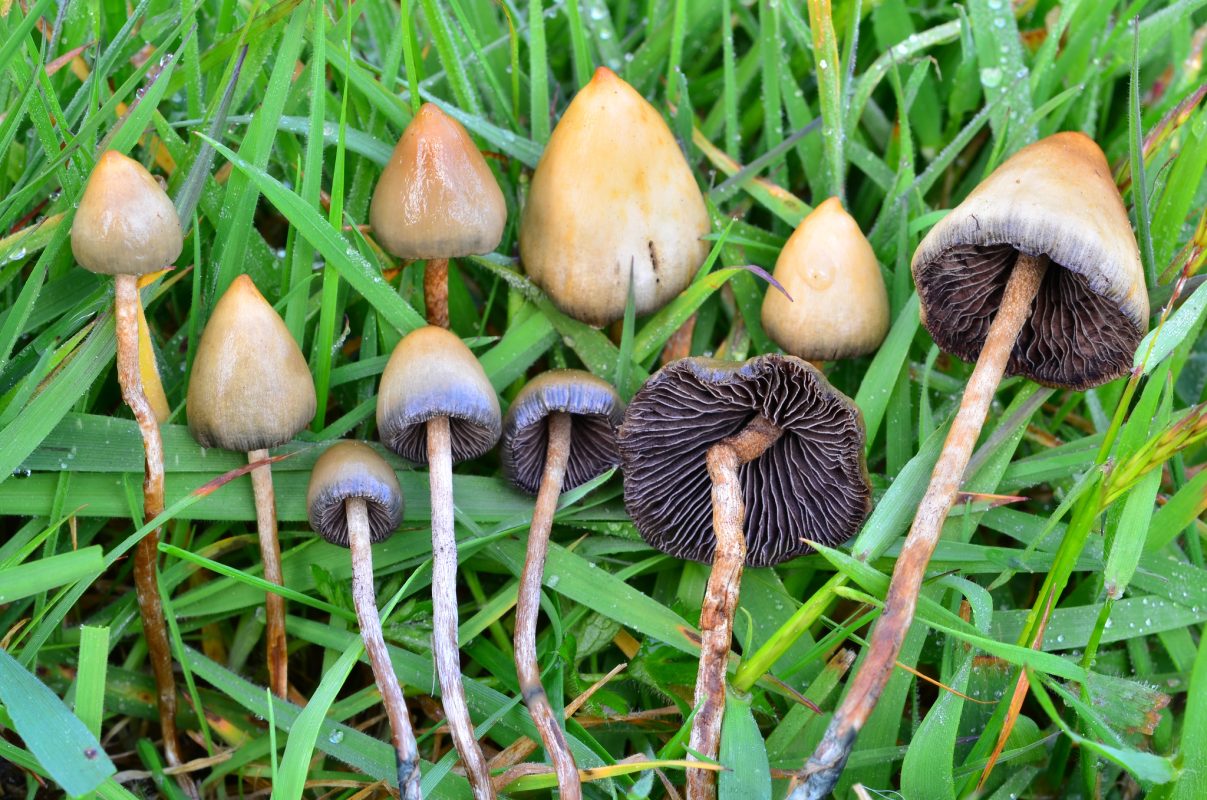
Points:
x=251, y=390
x=435, y=406
x=126, y=226
x=1036, y=273
x=612, y=198
x=437, y=199
x=559, y=433
x=739, y=464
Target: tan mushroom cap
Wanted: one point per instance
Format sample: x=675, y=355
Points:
x=1056, y=198
x=839, y=306
x=437, y=198
x=251, y=388
x=125, y=223
x=349, y=470
x=431, y=373
x=611, y=193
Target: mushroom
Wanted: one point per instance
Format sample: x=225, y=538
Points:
x=126, y=226
x=1036, y=273
x=437, y=199
x=836, y=305
x=354, y=501
x=250, y=391
x=613, y=202
x=739, y=464
x=435, y=406
x=560, y=432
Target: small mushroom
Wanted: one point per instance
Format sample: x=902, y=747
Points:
x=739, y=464
x=613, y=202
x=250, y=391
x=436, y=406
x=559, y=433
x=1036, y=273
x=437, y=199
x=126, y=226
x=354, y=501
x=836, y=304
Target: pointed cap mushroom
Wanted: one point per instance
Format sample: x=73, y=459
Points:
x=611, y=193
x=437, y=198
x=595, y=411
x=346, y=470
x=251, y=388
x=812, y=483
x=1054, y=198
x=839, y=306
x=125, y=223
x=433, y=374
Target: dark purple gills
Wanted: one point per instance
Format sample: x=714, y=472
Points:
x=812, y=484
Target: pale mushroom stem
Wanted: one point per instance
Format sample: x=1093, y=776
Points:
x=364, y=598
x=435, y=291
x=270, y=555
x=557, y=455
x=445, y=645
x=721, y=594
x=822, y=771
x=146, y=553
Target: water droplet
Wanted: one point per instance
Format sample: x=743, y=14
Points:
x=999, y=23
x=822, y=64
x=336, y=736
x=598, y=13
x=991, y=77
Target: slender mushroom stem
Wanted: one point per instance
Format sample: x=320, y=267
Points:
x=146, y=553
x=557, y=455
x=444, y=609
x=721, y=594
x=270, y=554
x=364, y=597
x=435, y=291
x=822, y=771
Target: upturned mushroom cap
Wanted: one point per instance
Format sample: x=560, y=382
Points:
x=125, y=223
x=250, y=388
x=348, y=470
x=595, y=411
x=431, y=373
x=839, y=306
x=437, y=198
x=1055, y=198
x=812, y=483
x=612, y=192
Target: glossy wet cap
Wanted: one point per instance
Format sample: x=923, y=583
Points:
x=839, y=306
x=612, y=193
x=348, y=470
x=431, y=373
x=595, y=411
x=250, y=388
x=812, y=483
x=125, y=223
x=1056, y=198
x=437, y=198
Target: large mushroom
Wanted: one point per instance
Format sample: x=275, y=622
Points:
x=436, y=406
x=739, y=464
x=836, y=305
x=437, y=199
x=354, y=501
x=126, y=226
x=559, y=433
x=1036, y=273
x=250, y=391
x=613, y=202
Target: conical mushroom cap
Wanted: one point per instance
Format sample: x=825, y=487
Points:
x=611, y=193
x=250, y=388
x=437, y=198
x=431, y=373
x=125, y=223
x=1055, y=198
x=346, y=470
x=839, y=306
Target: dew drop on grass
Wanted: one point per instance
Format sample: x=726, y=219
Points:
x=991, y=77
x=822, y=64
x=335, y=737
